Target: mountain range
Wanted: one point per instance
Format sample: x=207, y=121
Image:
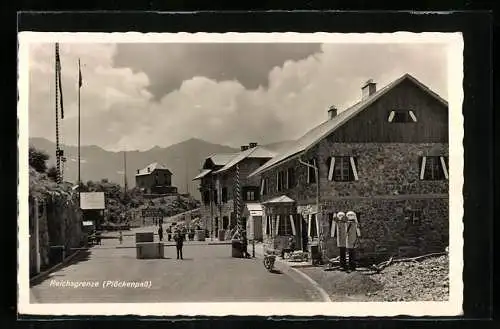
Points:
x=184, y=160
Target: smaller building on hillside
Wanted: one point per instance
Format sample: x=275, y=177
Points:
x=155, y=179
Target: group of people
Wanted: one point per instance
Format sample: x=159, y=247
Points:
x=179, y=237
x=345, y=228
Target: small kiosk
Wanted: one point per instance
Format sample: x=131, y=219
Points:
x=253, y=213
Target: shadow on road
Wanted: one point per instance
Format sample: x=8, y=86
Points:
x=81, y=256
x=275, y=271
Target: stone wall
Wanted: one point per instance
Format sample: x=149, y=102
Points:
x=59, y=224
x=383, y=169
x=388, y=186
x=388, y=227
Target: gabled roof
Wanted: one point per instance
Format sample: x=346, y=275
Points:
x=152, y=167
x=221, y=159
x=202, y=174
x=315, y=135
x=279, y=199
x=254, y=152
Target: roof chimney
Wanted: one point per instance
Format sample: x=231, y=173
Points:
x=252, y=145
x=137, y=170
x=244, y=147
x=149, y=169
x=332, y=112
x=368, y=89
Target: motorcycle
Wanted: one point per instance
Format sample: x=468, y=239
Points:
x=269, y=262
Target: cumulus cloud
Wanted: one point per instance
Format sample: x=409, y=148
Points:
x=118, y=109
x=249, y=63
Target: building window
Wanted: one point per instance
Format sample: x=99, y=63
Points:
x=343, y=168
x=283, y=225
x=224, y=195
x=280, y=180
x=250, y=193
x=402, y=117
x=311, y=172
x=413, y=216
x=215, y=194
x=206, y=197
x=225, y=222
x=433, y=168
x=290, y=178
x=263, y=186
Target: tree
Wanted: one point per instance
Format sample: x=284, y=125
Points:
x=38, y=159
x=52, y=173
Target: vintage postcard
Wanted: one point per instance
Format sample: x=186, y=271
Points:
x=240, y=174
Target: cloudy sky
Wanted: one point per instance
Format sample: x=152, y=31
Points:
x=137, y=96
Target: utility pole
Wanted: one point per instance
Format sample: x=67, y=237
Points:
x=79, y=159
x=58, y=151
x=125, y=171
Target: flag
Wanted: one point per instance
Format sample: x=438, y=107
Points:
x=79, y=75
x=59, y=79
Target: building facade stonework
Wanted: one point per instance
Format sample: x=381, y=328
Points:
x=386, y=159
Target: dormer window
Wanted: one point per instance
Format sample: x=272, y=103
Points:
x=402, y=116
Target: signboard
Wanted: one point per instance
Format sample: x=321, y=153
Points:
x=152, y=212
x=92, y=200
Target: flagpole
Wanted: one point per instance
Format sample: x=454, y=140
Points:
x=79, y=87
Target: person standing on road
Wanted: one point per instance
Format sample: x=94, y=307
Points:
x=179, y=243
x=352, y=235
x=339, y=230
x=160, y=232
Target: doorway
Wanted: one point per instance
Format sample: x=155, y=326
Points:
x=303, y=232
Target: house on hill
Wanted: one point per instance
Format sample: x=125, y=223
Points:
x=218, y=184
x=155, y=179
x=385, y=158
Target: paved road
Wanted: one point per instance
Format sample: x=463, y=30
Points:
x=208, y=273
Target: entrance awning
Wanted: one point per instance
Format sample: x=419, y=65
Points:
x=280, y=199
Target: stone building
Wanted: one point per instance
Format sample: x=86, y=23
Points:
x=155, y=179
x=218, y=182
x=385, y=158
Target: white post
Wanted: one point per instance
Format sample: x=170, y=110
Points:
x=37, y=236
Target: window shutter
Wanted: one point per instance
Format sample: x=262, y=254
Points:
x=332, y=167
x=277, y=224
x=309, y=220
x=422, y=168
x=293, y=225
x=445, y=170
x=285, y=183
x=317, y=224
x=315, y=170
x=354, y=169
x=262, y=182
x=391, y=116
x=277, y=181
x=413, y=117
x=333, y=228
x=308, y=173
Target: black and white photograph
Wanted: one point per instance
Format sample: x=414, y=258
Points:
x=240, y=174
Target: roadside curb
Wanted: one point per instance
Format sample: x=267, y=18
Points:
x=44, y=274
x=324, y=295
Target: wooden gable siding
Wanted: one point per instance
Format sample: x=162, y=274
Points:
x=302, y=192
x=372, y=126
x=247, y=166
